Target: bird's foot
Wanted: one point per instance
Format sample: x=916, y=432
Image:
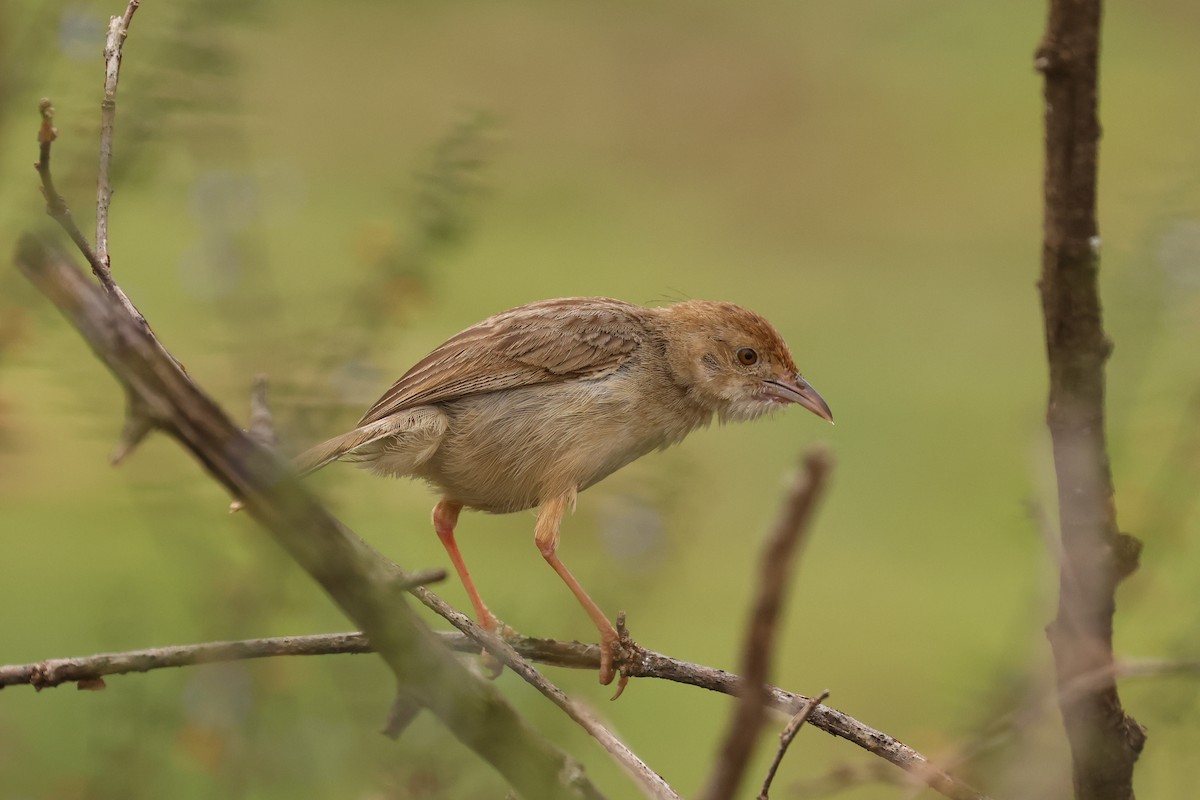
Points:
x=606, y=660
x=618, y=654
x=493, y=666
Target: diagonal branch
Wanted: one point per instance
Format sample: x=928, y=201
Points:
x=1096, y=555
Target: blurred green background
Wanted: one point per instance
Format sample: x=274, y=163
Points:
x=324, y=194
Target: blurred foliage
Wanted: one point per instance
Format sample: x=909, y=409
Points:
x=312, y=195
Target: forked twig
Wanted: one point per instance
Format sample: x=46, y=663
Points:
x=785, y=740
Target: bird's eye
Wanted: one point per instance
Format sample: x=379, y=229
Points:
x=747, y=356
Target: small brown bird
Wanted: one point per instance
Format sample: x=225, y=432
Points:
x=535, y=404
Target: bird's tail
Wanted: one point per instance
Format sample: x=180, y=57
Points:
x=319, y=455
x=328, y=451
x=331, y=450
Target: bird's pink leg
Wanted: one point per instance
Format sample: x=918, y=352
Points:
x=550, y=515
x=445, y=517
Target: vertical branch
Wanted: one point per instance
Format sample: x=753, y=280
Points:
x=1096, y=556
x=118, y=27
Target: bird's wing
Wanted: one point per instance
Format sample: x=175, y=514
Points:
x=576, y=338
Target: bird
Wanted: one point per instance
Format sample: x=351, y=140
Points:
x=535, y=404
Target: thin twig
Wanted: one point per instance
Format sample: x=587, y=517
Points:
x=777, y=562
x=56, y=204
x=785, y=741
x=101, y=263
x=118, y=29
x=56, y=671
x=651, y=782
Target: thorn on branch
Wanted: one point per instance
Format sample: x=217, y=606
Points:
x=138, y=425
x=423, y=577
x=1126, y=555
x=404, y=710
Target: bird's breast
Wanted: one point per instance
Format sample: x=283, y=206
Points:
x=507, y=451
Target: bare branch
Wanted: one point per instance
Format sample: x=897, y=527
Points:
x=1096, y=555
x=775, y=571
x=56, y=205
x=785, y=741
x=118, y=29
x=56, y=671
x=574, y=655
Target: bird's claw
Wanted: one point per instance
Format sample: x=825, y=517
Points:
x=607, y=672
x=617, y=652
x=493, y=666
x=606, y=661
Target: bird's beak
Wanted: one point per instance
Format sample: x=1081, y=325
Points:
x=798, y=391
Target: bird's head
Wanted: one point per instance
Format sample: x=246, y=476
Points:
x=734, y=361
